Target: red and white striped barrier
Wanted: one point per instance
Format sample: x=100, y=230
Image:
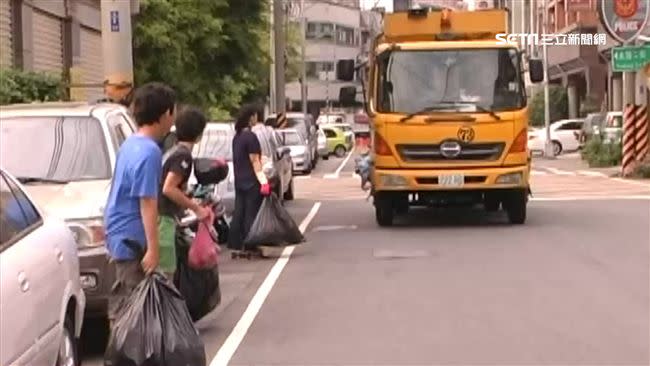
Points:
x=641, y=139
x=629, y=139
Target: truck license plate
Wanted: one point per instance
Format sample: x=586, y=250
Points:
x=451, y=180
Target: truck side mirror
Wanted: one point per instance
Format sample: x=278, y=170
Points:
x=348, y=96
x=536, y=70
x=345, y=70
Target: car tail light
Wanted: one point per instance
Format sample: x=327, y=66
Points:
x=520, y=142
x=381, y=146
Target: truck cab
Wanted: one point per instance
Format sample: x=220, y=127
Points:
x=449, y=117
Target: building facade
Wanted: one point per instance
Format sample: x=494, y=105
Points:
x=333, y=33
x=61, y=37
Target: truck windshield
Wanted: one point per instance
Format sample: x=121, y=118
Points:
x=450, y=80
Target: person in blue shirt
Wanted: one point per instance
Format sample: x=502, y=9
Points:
x=131, y=214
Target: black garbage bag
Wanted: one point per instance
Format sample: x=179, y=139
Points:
x=200, y=289
x=154, y=328
x=273, y=226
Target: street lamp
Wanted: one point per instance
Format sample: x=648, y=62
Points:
x=548, y=146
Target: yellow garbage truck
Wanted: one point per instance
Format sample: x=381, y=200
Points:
x=449, y=114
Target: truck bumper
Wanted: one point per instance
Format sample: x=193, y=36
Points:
x=465, y=179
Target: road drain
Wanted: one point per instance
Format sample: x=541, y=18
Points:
x=399, y=254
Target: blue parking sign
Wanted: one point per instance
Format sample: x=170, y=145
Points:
x=115, y=21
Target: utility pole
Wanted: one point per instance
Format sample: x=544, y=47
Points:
x=272, y=97
x=303, y=66
x=278, y=30
x=548, y=146
x=117, y=47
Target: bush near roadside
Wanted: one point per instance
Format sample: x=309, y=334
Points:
x=599, y=154
x=17, y=86
x=558, y=106
x=642, y=171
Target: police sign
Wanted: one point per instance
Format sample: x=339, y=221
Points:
x=624, y=19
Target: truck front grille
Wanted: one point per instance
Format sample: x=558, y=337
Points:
x=469, y=152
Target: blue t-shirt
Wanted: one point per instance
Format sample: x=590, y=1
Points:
x=137, y=175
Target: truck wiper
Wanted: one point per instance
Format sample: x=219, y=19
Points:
x=438, y=106
x=27, y=180
x=486, y=110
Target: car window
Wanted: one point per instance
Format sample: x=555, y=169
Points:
x=571, y=126
x=17, y=214
x=329, y=133
x=615, y=121
x=70, y=148
x=215, y=144
x=292, y=139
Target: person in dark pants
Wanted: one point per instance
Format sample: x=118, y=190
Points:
x=250, y=182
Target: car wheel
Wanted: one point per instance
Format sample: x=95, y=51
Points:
x=557, y=148
x=340, y=151
x=288, y=195
x=68, y=355
x=515, y=206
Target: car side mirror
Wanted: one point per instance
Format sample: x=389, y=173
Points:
x=536, y=70
x=345, y=70
x=348, y=96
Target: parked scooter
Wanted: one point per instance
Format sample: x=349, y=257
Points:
x=200, y=288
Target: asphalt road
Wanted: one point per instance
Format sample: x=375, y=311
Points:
x=571, y=287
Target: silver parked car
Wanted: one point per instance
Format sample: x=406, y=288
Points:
x=41, y=299
x=64, y=153
x=305, y=124
x=217, y=143
x=299, y=146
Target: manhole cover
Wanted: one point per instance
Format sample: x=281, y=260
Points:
x=335, y=227
x=399, y=254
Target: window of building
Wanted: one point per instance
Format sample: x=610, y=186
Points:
x=345, y=36
x=316, y=30
x=314, y=68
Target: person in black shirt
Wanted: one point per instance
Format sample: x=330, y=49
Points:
x=250, y=182
x=176, y=171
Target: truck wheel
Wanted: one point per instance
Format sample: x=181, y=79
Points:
x=516, y=207
x=288, y=195
x=384, y=213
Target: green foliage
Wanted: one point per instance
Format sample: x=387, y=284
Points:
x=599, y=154
x=642, y=171
x=18, y=86
x=209, y=51
x=558, y=105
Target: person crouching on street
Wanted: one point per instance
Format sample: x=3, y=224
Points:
x=176, y=170
x=250, y=182
x=131, y=214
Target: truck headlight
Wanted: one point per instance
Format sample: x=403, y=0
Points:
x=510, y=178
x=87, y=233
x=392, y=180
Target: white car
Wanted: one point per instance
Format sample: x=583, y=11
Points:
x=64, y=153
x=563, y=136
x=41, y=300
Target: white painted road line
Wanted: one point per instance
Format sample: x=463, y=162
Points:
x=538, y=172
x=591, y=198
x=634, y=182
x=229, y=347
x=301, y=177
x=560, y=172
x=590, y=173
x=337, y=172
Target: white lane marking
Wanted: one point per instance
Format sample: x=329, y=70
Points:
x=301, y=177
x=238, y=333
x=538, y=172
x=337, y=172
x=591, y=198
x=634, y=182
x=560, y=172
x=590, y=173
x=335, y=227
